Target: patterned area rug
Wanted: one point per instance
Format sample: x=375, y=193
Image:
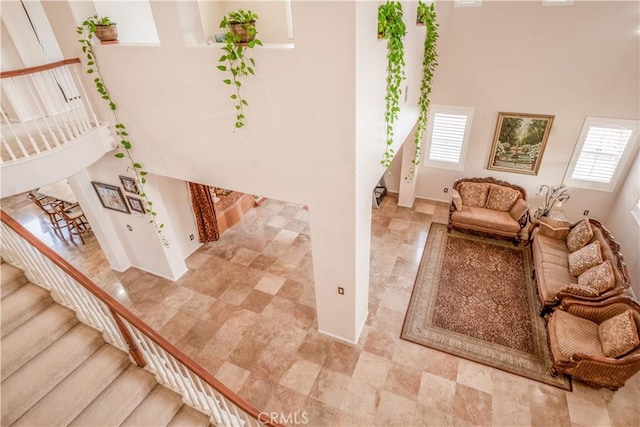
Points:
x=474, y=298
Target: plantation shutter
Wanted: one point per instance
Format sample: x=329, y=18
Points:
x=601, y=152
x=448, y=137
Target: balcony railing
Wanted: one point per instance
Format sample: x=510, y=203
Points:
x=43, y=108
x=125, y=330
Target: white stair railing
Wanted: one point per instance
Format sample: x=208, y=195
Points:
x=43, y=108
x=123, y=329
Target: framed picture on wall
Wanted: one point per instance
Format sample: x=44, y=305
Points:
x=136, y=204
x=519, y=141
x=130, y=185
x=111, y=197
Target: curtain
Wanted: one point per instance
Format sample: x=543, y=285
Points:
x=204, y=213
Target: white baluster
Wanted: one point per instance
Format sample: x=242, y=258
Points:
x=80, y=84
x=41, y=109
x=15, y=135
x=6, y=145
x=45, y=98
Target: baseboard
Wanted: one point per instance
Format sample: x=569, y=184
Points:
x=161, y=275
x=339, y=338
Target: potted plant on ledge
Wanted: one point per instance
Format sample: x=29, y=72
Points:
x=240, y=35
x=105, y=30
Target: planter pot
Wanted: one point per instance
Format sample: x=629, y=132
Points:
x=107, y=33
x=243, y=32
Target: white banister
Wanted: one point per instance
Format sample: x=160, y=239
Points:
x=180, y=375
x=49, y=108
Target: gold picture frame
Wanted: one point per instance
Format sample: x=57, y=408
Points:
x=519, y=142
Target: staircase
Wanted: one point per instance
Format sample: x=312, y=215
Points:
x=58, y=371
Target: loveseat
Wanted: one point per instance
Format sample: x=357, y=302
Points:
x=488, y=206
x=581, y=260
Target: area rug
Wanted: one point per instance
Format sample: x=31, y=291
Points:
x=474, y=298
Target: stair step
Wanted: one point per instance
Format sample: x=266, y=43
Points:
x=62, y=404
x=21, y=305
x=189, y=417
x=11, y=278
x=157, y=409
x=33, y=336
x=118, y=400
x=40, y=375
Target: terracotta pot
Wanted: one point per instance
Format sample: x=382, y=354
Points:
x=241, y=31
x=107, y=33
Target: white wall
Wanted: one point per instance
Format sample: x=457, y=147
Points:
x=624, y=227
x=571, y=62
x=134, y=19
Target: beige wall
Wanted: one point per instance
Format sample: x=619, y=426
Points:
x=571, y=62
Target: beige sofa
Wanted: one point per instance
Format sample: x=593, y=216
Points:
x=488, y=206
x=552, y=270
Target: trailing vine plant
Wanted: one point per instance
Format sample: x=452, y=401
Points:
x=87, y=32
x=426, y=15
x=240, y=36
x=391, y=27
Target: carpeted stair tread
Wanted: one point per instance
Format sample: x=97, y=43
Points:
x=157, y=409
x=42, y=374
x=11, y=278
x=67, y=400
x=118, y=400
x=21, y=305
x=36, y=334
x=189, y=417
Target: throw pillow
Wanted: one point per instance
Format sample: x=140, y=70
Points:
x=502, y=198
x=619, y=334
x=474, y=194
x=580, y=290
x=600, y=278
x=518, y=209
x=553, y=228
x=579, y=235
x=456, y=200
x=585, y=258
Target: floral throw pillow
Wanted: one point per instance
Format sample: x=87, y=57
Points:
x=585, y=258
x=600, y=278
x=456, y=200
x=619, y=335
x=579, y=235
x=474, y=194
x=580, y=290
x=502, y=198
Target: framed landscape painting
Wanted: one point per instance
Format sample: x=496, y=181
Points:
x=519, y=142
x=111, y=197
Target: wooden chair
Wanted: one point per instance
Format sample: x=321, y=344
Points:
x=75, y=221
x=48, y=207
x=575, y=344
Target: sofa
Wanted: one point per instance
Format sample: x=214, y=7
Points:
x=596, y=342
x=488, y=206
x=580, y=260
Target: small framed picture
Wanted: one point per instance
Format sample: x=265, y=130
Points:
x=136, y=204
x=130, y=185
x=111, y=197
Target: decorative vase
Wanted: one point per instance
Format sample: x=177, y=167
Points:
x=107, y=33
x=243, y=32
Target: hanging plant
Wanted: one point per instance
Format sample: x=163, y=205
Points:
x=87, y=31
x=427, y=16
x=391, y=27
x=240, y=36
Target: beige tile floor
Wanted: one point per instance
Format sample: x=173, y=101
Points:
x=245, y=311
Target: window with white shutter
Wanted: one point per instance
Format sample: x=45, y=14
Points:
x=603, y=151
x=447, y=136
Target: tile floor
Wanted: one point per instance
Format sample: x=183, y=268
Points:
x=245, y=311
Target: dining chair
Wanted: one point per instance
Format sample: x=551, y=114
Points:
x=75, y=220
x=48, y=207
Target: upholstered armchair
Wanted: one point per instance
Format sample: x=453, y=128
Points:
x=596, y=342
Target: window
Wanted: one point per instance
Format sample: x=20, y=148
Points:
x=447, y=136
x=635, y=212
x=603, y=151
